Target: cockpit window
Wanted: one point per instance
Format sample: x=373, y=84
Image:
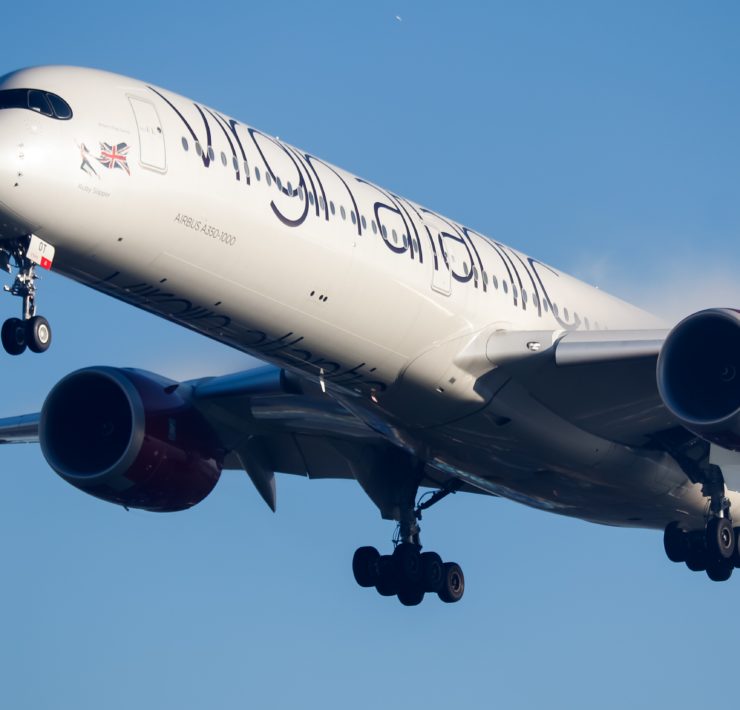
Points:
x=14, y=98
x=40, y=101
x=61, y=108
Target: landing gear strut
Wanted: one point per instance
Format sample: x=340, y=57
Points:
x=31, y=331
x=409, y=573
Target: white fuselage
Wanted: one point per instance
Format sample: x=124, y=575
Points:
x=177, y=209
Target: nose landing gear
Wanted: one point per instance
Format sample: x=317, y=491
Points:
x=31, y=331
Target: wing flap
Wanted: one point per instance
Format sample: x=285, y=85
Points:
x=271, y=420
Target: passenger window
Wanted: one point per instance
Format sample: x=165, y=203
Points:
x=310, y=198
x=331, y=207
x=524, y=295
x=223, y=159
x=384, y=231
x=211, y=154
x=198, y=149
x=289, y=187
x=375, y=227
x=268, y=178
x=505, y=285
x=354, y=218
x=555, y=309
x=185, y=146
x=364, y=222
x=279, y=184
x=342, y=212
x=235, y=164
x=565, y=313
x=257, y=174
x=545, y=307
x=587, y=324
x=494, y=281
x=514, y=291
x=395, y=236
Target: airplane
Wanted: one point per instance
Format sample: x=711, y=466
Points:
x=402, y=349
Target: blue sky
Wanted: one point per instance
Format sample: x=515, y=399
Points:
x=601, y=137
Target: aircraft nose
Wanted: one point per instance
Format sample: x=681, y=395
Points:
x=12, y=157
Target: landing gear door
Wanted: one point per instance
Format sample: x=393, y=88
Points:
x=152, y=152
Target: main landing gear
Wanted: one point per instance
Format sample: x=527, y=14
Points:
x=714, y=550
x=31, y=331
x=409, y=573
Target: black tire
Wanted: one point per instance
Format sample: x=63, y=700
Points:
x=720, y=538
x=696, y=560
x=408, y=564
x=13, y=336
x=453, y=583
x=38, y=334
x=676, y=543
x=736, y=555
x=432, y=572
x=365, y=566
x=720, y=570
x=411, y=595
x=387, y=582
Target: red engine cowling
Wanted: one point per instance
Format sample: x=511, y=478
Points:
x=699, y=375
x=129, y=437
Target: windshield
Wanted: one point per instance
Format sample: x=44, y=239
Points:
x=36, y=100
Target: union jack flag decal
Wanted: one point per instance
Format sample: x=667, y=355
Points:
x=114, y=156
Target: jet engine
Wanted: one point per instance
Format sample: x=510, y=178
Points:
x=129, y=437
x=699, y=375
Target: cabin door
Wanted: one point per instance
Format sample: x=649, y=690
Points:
x=152, y=152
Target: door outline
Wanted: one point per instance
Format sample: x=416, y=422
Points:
x=152, y=146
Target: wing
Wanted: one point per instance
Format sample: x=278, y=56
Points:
x=20, y=430
x=602, y=381
x=268, y=421
x=271, y=420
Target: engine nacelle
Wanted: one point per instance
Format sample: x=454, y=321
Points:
x=699, y=375
x=129, y=437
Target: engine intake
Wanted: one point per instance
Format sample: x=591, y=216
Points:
x=129, y=437
x=699, y=375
